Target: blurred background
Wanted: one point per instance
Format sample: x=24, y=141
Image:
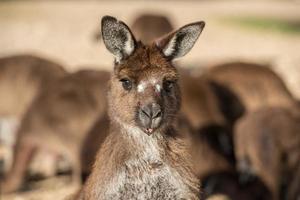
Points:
x=265, y=32
x=260, y=31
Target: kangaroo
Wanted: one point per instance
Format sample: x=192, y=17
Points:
x=206, y=155
x=246, y=87
x=143, y=156
x=208, y=122
x=147, y=27
x=199, y=102
x=22, y=77
x=267, y=144
x=58, y=121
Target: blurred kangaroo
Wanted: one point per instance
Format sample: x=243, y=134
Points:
x=22, y=77
x=148, y=26
x=58, y=121
x=200, y=105
x=244, y=87
x=267, y=145
x=143, y=157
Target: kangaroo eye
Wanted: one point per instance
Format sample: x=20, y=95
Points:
x=126, y=83
x=168, y=85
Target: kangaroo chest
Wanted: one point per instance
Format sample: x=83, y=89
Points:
x=146, y=179
x=147, y=176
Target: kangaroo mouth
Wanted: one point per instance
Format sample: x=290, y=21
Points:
x=148, y=131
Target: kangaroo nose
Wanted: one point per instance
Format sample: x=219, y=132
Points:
x=150, y=117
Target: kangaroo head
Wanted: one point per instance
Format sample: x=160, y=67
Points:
x=144, y=91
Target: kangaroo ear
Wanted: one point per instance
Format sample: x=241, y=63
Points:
x=180, y=42
x=117, y=37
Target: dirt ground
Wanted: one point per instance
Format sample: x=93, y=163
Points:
x=64, y=30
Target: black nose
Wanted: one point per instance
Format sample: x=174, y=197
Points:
x=150, y=116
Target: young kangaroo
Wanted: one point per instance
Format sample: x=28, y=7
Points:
x=22, y=77
x=143, y=156
x=267, y=144
x=58, y=121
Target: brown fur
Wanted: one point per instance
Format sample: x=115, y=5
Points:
x=268, y=145
x=207, y=158
x=200, y=105
x=58, y=121
x=114, y=144
x=93, y=141
x=124, y=154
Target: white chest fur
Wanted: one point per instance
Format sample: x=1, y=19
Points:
x=147, y=175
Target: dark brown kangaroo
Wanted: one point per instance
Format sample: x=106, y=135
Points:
x=267, y=144
x=59, y=120
x=143, y=157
